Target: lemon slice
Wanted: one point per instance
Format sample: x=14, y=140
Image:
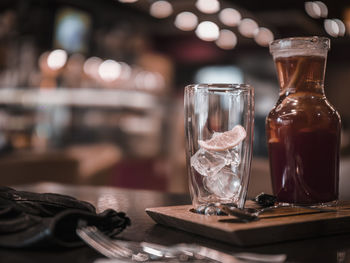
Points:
x=224, y=141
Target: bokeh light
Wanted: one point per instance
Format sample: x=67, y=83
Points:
x=341, y=27
x=230, y=17
x=263, y=36
x=161, y=9
x=323, y=8
x=150, y=81
x=227, y=39
x=207, y=31
x=57, y=59
x=186, y=21
x=109, y=70
x=334, y=27
x=247, y=27
x=313, y=9
x=208, y=6
x=316, y=9
x=125, y=72
x=91, y=66
x=331, y=27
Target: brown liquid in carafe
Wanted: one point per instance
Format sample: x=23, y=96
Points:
x=303, y=134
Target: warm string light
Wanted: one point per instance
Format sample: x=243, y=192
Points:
x=161, y=9
x=334, y=27
x=263, y=36
x=109, y=70
x=312, y=9
x=317, y=9
x=126, y=71
x=149, y=80
x=247, y=27
x=209, y=31
x=230, y=17
x=208, y=6
x=57, y=59
x=186, y=21
x=91, y=66
x=227, y=39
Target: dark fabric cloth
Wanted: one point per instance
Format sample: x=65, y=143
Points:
x=32, y=220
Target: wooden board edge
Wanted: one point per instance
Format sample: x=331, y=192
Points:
x=294, y=231
x=193, y=228
x=247, y=237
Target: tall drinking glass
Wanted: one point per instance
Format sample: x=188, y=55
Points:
x=219, y=122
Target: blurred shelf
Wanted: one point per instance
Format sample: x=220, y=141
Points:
x=78, y=98
x=77, y=164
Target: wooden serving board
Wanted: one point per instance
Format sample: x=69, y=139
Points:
x=276, y=225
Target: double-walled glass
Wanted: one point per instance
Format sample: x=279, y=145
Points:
x=218, y=176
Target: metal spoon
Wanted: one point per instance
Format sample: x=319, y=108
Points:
x=252, y=214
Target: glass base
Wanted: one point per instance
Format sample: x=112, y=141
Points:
x=211, y=208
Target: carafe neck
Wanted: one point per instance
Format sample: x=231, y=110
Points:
x=301, y=73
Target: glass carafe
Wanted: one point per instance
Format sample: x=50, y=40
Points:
x=303, y=129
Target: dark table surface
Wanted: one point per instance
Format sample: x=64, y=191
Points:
x=325, y=249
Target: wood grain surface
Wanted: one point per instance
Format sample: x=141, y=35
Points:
x=329, y=249
x=275, y=225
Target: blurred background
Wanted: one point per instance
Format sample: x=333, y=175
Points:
x=91, y=91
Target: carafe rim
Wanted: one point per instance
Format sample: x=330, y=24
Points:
x=300, y=43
